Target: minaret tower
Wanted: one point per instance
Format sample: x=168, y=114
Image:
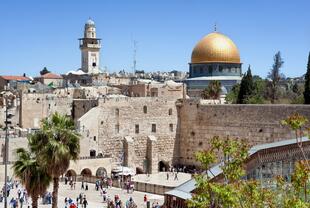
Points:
x=90, y=49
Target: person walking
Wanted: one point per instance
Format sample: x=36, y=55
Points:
x=85, y=203
x=176, y=176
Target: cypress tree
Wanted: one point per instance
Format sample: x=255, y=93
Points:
x=307, y=83
x=246, y=87
x=275, y=76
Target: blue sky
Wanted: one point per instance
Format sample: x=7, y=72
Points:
x=35, y=34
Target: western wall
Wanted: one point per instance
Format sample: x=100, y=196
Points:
x=258, y=124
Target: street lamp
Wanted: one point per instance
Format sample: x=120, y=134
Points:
x=8, y=96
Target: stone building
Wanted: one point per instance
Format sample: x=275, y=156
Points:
x=215, y=57
x=141, y=130
x=51, y=79
x=168, y=89
x=36, y=106
x=13, y=82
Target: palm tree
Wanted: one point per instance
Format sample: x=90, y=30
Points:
x=56, y=144
x=212, y=91
x=35, y=179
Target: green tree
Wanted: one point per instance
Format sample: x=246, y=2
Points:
x=234, y=192
x=213, y=90
x=307, y=83
x=232, y=96
x=44, y=71
x=34, y=178
x=275, y=76
x=246, y=87
x=56, y=144
x=257, y=96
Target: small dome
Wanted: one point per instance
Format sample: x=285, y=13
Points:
x=90, y=22
x=215, y=48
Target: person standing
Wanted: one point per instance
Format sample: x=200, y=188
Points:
x=145, y=198
x=82, y=186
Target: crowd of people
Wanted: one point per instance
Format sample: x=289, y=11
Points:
x=22, y=196
x=102, y=187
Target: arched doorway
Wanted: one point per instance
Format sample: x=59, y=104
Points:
x=163, y=166
x=86, y=172
x=139, y=170
x=71, y=174
x=101, y=172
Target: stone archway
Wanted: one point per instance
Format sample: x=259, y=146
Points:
x=163, y=166
x=86, y=172
x=101, y=172
x=71, y=174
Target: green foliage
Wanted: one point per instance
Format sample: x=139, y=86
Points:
x=33, y=176
x=55, y=144
x=212, y=91
x=307, y=83
x=232, y=96
x=295, y=121
x=298, y=100
x=246, y=87
x=255, y=97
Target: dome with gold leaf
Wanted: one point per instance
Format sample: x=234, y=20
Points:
x=215, y=48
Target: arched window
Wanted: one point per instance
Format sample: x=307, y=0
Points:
x=170, y=111
x=145, y=109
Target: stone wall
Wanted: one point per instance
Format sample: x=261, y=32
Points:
x=256, y=123
x=82, y=106
x=118, y=118
x=36, y=106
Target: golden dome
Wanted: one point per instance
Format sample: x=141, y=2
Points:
x=215, y=47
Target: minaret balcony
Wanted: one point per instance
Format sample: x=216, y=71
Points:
x=89, y=45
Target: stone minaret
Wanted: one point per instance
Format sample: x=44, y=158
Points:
x=90, y=49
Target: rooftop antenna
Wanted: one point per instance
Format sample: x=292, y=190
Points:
x=134, y=55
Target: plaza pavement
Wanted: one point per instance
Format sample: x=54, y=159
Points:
x=93, y=197
x=161, y=178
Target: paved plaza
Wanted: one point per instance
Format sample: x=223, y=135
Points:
x=162, y=179
x=94, y=198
